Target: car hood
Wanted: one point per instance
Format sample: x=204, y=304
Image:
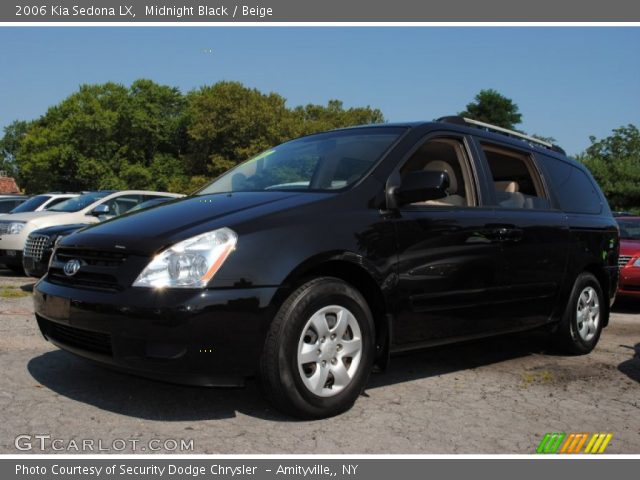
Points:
x=148, y=231
x=629, y=247
x=30, y=216
x=61, y=229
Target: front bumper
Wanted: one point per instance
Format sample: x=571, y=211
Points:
x=199, y=337
x=11, y=247
x=629, y=283
x=12, y=258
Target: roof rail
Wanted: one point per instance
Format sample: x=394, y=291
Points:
x=505, y=131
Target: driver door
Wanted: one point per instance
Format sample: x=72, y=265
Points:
x=450, y=266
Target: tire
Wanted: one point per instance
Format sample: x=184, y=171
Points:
x=578, y=333
x=337, y=370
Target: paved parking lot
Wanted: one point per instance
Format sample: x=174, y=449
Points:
x=494, y=396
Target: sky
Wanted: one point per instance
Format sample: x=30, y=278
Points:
x=569, y=82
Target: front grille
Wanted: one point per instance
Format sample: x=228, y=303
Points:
x=81, y=279
x=99, y=269
x=78, y=338
x=95, y=258
x=623, y=260
x=35, y=246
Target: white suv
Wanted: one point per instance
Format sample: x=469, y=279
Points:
x=91, y=207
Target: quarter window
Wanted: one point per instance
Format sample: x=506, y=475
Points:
x=574, y=190
x=516, y=182
x=56, y=201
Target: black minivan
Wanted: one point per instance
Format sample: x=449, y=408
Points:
x=317, y=259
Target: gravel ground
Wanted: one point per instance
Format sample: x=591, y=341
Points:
x=494, y=396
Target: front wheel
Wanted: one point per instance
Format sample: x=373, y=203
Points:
x=581, y=326
x=319, y=350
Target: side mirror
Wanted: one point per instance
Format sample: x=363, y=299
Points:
x=420, y=186
x=100, y=210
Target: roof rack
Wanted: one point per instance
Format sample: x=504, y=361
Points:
x=505, y=131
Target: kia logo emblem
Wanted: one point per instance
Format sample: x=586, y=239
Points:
x=71, y=267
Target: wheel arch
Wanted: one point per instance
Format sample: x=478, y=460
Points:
x=357, y=272
x=603, y=279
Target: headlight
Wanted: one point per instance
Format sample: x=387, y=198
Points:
x=190, y=263
x=15, y=228
x=637, y=262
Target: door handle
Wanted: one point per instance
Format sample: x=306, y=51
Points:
x=506, y=233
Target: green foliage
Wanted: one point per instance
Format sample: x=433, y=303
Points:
x=228, y=123
x=316, y=118
x=492, y=107
x=9, y=144
x=544, y=138
x=151, y=136
x=103, y=136
x=614, y=161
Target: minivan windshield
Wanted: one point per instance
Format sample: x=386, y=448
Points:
x=76, y=204
x=629, y=229
x=31, y=204
x=323, y=162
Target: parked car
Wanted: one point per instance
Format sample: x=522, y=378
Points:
x=629, y=259
x=623, y=214
x=40, y=243
x=9, y=202
x=91, y=207
x=319, y=258
x=44, y=201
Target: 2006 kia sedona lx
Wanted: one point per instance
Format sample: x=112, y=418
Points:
x=317, y=259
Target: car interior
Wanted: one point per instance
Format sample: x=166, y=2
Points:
x=516, y=183
x=444, y=155
x=119, y=205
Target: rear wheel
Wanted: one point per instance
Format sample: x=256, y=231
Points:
x=581, y=325
x=319, y=350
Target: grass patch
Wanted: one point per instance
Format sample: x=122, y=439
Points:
x=540, y=377
x=13, y=292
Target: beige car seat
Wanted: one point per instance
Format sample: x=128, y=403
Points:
x=507, y=186
x=452, y=199
x=508, y=194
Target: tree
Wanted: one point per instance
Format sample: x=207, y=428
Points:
x=614, y=161
x=544, y=138
x=316, y=118
x=103, y=136
x=491, y=107
x=152, y=136
x=9, y=144
x=228, y=123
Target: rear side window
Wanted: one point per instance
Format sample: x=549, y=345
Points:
x=31, y=204
x=7, y=205
x=516, y=181
x=573, y=188
x=56, y=201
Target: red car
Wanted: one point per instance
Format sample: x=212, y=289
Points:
x=629, y=260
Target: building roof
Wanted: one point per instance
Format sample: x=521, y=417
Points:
x=8, y=185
